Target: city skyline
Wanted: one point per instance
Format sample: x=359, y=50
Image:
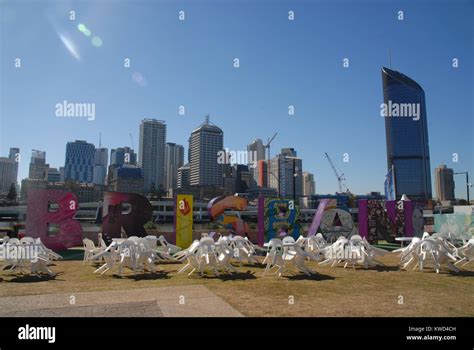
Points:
x=251, y=101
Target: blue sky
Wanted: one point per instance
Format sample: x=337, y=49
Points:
x=282, y=63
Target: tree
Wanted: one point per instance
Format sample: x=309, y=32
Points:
x=11, y=196
x=161, y=192
x=153, y=194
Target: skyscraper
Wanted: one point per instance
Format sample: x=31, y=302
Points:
x=53, y=175
x=123, y=155
x=285, y=174
x=174, y=159
x=151, y=152
x=205, y=143
x=256, y=153
x=308, y=184
x=38, y=166
x=101, y=159
x=79, y=165
x=260, y=173
x=444, y=180
x=406, y=135
x=14, y=154
x=183, y=176
x=9, y=170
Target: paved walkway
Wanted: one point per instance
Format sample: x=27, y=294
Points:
x=179, y=301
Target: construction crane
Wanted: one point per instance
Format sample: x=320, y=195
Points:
x=267, y=146
x=340, y=178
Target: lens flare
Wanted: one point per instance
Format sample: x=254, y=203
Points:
x=97, y=41
x=139, y=79
x=70, y=46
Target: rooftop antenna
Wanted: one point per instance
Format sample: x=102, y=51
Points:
x=389, y=59
x=100, y=140
x=207, y=119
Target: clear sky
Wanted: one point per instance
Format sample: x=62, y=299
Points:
x=282, y=63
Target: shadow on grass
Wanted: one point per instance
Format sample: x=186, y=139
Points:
x=169, y=262
x=236, y=276
x=257, y=265
x=461, y=273
x=159, y=275
x=313, y=277
x=34, y=278
x=381, y=268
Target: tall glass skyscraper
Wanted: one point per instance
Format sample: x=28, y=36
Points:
x=151, y=153
x=79, y=164
x=407, y=135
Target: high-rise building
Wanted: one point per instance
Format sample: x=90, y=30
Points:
x=260, y=173
x=101, y=159
x=288, y=152
x=241, y=173
x=14, y=154
x=79, y=165
x=182, y=180
x=9, y=170
x=308, y=184
x=127, y=178
x=53, y=175
x=444, y=180
x=206, y=142
x=123, y=155
x=38, y=166
x=256, y=153
x=152, y=153
x=61, y=174
x=285, y=174
x=174, y=159
x=407, y=135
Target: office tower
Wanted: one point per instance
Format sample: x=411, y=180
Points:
x=101, y=159
x=308, y=184
x=256, y=153
x=174, y=159
x=123, y=155
x=288, y=152
x=14, y=155
x=152, y=153
x=406, y=136
x=53, y=175
x=79, y=165
x=38, y=166
x=285, y=174
x=444, y=180
x=205, y=143
x=127, y=178
x=241, y=174
x=61, y=174
x=260, y=173
x=9, y=171
x=182, y=180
